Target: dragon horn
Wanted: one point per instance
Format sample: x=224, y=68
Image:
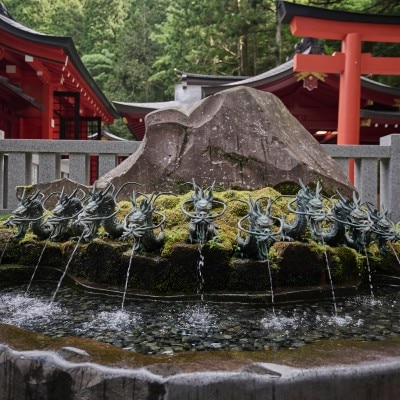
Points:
x=251, y=201
x=269, y=204
x=341, y=196
x=356, y=199
x=318, y=188
x=210, y=191
x=107, y=189
x=35, y=195
x=22, y=197
x=302, y=185
x=73, y=193
x=133, y=199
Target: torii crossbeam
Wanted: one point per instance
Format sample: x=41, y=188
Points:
x=351, y=29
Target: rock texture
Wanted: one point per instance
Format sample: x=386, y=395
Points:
x=242, y=138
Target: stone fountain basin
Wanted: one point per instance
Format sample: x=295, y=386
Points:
x=71, y=367
x=333, y=369
x=329, y=371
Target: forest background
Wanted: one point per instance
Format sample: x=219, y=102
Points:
x=132, y=47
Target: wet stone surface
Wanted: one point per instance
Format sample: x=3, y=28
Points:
x=158, y=327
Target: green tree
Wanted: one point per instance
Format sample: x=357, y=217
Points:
x=103, y=22
x=228, y=37
x=35, y=14
x=101, y=66
x=135, y=54
x=68, y=19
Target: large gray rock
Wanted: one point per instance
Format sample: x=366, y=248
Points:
x=242, y=138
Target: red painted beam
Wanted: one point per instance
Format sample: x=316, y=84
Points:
x=337, y=30
x=319, y=63
x=380, y=65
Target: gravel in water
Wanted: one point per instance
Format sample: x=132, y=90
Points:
x=161, y=327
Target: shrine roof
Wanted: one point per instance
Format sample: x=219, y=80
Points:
x=204, y=79
x=376, y=115
x=279, y=72
x=5, y=82
x=144, y=108
x=54, y=50
x=285, y=71
x=287, y=11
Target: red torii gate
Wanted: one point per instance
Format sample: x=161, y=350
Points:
x=352, y=29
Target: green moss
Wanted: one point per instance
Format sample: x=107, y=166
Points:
x=322, y=353
x=287, y=188
x=4, y=217
x=292, y=264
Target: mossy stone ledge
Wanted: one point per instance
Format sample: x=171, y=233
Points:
x=104, y=263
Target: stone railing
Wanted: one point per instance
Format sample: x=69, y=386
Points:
x=23, y=162
x=376, y=171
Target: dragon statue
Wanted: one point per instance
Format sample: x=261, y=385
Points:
x=384, y=229
x=31, y=211
x=101, y=209
x=364, y=224
x=201, y=226
x=297, y=228
x=358, y=222
x=66, y=209
x=261, y=230
x=139, y=223
x=27, y=214
x=322, y=215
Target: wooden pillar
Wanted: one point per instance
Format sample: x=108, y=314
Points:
x=350, y=92
x=47, y=113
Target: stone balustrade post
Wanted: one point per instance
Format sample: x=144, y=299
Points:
x=390, y=176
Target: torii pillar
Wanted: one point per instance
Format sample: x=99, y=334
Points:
x=351, y=29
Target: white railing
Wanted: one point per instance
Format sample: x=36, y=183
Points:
x=25, y=162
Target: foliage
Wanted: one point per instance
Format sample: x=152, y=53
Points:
x=132, y=47
x=100, y=65
x=136, y=53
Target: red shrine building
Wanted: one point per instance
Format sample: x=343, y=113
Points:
x=45, y=90
x=334, y=103
x=47, y=93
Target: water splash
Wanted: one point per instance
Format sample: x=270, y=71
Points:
x=365, y=301
x=111, y=320
x=342, y=320
x=278, y=322
x=23, y=311
x=36, y=267
x=66, y=269
x=199, y=316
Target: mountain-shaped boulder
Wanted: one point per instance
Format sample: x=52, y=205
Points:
x=241, y=138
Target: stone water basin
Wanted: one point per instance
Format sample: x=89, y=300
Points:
x=156, y=326
x=190, y=349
